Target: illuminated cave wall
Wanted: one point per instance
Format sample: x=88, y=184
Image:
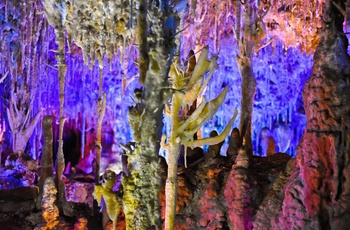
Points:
x=278, y=107
x=278, y=104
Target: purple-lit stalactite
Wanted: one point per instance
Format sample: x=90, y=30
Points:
x=21, y=32
x=82, y=93
x=83, y=114
x=280, y=74
x=278, y=105
x=270, y=108
x=2, y=131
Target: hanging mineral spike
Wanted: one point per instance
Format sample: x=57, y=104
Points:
x=98, y=27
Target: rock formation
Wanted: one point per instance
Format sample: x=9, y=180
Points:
x=50, y=211
x=317, y=194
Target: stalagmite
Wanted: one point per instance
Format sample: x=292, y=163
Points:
x=50, y=211
x=47, y=156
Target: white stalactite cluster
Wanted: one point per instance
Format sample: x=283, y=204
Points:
x=18, y=114
x=22, y=30
x=98, y=27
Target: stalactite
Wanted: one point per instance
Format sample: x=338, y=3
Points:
x=101, y=109
x=60, y=38
x=36, y=72
x=2, y=131
x=83, y=115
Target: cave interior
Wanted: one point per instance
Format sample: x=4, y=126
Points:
x=95, y=93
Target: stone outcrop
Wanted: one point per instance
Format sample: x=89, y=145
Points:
x=15, y=206
x=228, y=190
x=317, y=195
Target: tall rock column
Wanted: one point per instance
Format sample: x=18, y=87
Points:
x=318, y=193
x=142, y=187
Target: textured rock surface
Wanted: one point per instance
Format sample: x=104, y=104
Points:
x=227, y=190
x=267, y=214
x=238, y=193
x=317, y=195
x=50, y=211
